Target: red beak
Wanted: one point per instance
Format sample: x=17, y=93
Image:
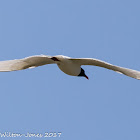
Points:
x=86, y=77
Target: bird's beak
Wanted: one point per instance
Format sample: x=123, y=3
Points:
x=86, y=77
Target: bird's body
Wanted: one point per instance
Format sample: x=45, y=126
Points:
x=70, y=66
x=67, y=66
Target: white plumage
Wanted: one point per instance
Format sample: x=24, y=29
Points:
x=70, y=66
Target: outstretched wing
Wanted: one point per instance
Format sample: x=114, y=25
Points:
x=95, y=62
x=28, y=62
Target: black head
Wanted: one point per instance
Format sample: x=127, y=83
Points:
x=82, y=73
x=54, y=59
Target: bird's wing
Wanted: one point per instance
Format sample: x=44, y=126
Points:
x=95, y=62
x=28, y=62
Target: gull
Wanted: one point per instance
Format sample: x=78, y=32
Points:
x=70, y=66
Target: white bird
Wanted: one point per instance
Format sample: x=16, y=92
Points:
x=70, y=66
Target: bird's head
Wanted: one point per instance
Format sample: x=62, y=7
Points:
x=82, y=73
x=55, y=59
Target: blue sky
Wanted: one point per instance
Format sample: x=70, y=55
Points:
x=44, y=99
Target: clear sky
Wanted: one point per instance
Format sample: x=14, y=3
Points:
x=44, y=99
